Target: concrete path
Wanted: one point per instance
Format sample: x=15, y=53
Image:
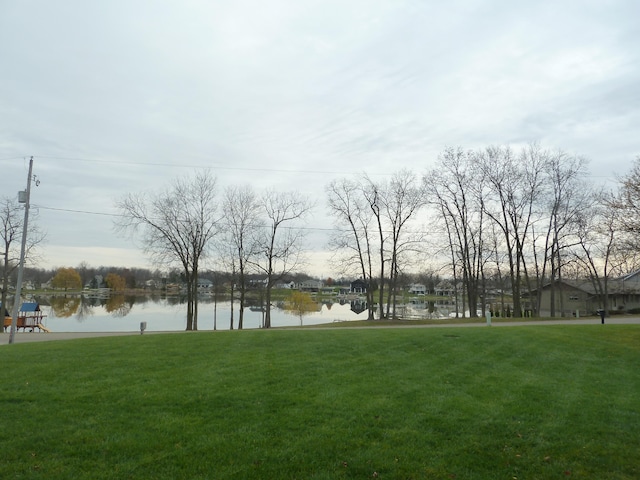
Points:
x=26, y=337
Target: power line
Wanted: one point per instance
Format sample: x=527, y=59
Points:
x=104, y=214
x=220, y=166
x=217, y=166
x=222, y=224
x=69, y=210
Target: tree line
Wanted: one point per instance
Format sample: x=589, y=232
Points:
x=519, y=218
x=530, y=218
x=246, y=231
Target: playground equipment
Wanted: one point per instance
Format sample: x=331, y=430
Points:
x=30, y=317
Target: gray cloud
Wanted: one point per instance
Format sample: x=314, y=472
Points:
x=140, y=92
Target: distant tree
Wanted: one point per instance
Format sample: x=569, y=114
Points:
x=67, y=278
x=94, y=283
x=128, y=275
x=301, y=303
x=115, y=282
x=429, y=278
x=38, y=276
x=177, y=226
x=86, y=272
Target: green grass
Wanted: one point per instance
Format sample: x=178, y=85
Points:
x=399, y=322
x=447, y=403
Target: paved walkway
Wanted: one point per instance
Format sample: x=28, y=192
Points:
x=26, y=337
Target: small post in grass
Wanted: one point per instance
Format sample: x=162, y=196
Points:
x=143, y=327
x=488, y=318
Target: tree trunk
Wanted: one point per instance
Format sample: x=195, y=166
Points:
x=241, y=306
x=231, y=319
x=195, y=300
x=189, y=287
x=267, y=312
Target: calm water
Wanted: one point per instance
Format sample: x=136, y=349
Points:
x=120, y=313
x=124, y=314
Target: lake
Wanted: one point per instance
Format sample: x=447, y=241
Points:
x=120, y=313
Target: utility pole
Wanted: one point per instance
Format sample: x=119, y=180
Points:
x=16, y=302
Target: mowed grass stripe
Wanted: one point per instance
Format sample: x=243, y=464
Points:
x=473, y=403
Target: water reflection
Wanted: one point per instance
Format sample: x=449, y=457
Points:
x=118, y=306
x=358, y=306
x=107, y=313
x=102, y=313
x=63, y=307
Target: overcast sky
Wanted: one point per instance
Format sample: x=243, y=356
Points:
x=117, y=96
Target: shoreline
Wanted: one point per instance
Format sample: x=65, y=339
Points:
x=30, y=337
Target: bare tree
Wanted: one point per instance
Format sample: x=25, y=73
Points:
x=602, y=245
x=514, y=183
x=241, y=207
x=403, y=200
x=497, y=256
x=374, y=194
x=176, y=226
x=566, y=196
x=392, y=205
x=628, y=203
x=280, y=239
x=347, y=207
x=453, y=193
x=11, y=226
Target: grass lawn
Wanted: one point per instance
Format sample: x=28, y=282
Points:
x=541, y=402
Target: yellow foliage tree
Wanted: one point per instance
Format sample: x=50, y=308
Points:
x=67, y=278
x=115, y=282
x=301, y=304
